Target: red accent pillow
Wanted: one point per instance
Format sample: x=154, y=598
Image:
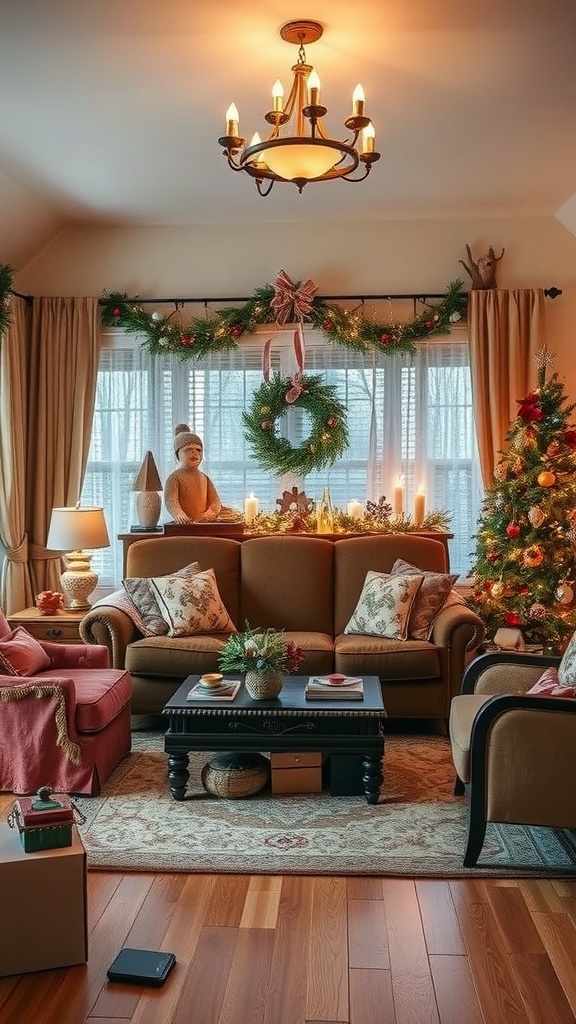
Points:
x=21, y=654
x=548, y=686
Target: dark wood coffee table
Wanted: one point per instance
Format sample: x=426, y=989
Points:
x=286, y=724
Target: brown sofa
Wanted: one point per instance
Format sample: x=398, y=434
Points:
x=309, y=587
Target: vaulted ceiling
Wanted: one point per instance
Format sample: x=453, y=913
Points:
x=110, y=110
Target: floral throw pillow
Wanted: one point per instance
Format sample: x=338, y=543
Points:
x=430, y=599
x=549, y=685
x=143, y=598
x=192, y=604
x=21, y=654
x=567, y=667
x=384, y=605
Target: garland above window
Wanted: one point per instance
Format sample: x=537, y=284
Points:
x=200, y=336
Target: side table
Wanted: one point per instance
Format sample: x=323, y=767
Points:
x=61, y=628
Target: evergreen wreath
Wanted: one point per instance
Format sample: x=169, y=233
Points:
x=200, y=336
x=5, y=298
x=328, y=437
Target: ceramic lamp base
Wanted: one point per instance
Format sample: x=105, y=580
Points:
x=78, y=581
x=148, y=508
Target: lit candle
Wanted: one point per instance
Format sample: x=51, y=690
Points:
x=398, y=501
x=358, y=99
x=278, y=96
x=313, y=89
x=355, y=510
x=419, y=506
x=250, y=508
x=368, y=137
x=232, y=121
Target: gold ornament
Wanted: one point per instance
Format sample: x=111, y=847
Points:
x=536, y=516
x=533, y=556
x=501, y=471
x=564, y=593
x=546, y=478
x=498, y=589
x=537, y=611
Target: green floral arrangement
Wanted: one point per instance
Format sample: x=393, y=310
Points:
x=259, y=650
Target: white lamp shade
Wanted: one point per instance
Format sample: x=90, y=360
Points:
x=72, y=529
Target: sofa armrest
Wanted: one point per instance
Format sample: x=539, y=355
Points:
x=76, y=655
x=500, y=672
x=112, y=628
x=456, y=631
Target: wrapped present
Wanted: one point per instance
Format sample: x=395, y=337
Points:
x=44, y=821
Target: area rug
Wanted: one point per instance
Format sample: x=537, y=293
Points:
x=418, y=828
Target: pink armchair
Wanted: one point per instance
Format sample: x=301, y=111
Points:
x=64, y=714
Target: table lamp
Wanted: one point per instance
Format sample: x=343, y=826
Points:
x=147, y=485
x=71, y=530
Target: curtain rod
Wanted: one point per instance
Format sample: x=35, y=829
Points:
x=550, y=293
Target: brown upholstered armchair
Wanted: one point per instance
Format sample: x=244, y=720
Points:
x=514, y=753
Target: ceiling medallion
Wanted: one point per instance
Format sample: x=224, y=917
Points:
x=304, y=153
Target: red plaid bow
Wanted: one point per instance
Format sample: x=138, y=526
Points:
x=289, y=298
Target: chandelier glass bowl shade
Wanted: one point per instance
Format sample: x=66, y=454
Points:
x=298, y=150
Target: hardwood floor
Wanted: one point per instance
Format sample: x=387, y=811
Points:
x=304, y=950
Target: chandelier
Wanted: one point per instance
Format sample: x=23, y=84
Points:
x=304, y=153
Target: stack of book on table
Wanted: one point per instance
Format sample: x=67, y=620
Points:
x=334, y=687
x=226, y=690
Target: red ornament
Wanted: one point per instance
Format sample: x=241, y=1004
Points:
x=492, y=556
x=385, y=338
x=512, y=619
x=524, y=590
x=187, y=339
x=430, y=323
x=331, y=421
x=328, y=325
x=116, y=312
x=267, y=425
x=513, y=530
x=237, y=331
x=570, y=438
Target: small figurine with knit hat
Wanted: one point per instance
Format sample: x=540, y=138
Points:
x=190, y=495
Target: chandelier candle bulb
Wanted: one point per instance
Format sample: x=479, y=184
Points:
x=419, y=506
x=358, y=100
x=398, y=498
x=232, y=121
x=278, y=96
x=313, y=89
x=368, y=138
x=355, y=510
x=251, y=508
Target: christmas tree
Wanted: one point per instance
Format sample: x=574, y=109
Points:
x=525, y=569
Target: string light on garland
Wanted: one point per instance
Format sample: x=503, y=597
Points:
x=199, y=336
x=328, y=437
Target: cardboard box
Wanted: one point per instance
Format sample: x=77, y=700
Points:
x=43, y=898
x=296, y=773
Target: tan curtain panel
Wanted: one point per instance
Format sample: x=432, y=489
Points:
x=15, y=589
x=64, y=354
x=506, y=329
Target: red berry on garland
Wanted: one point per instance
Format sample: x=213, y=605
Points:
x=331, y=421
x=430, y=323
x=513, y=530
x=187, y=339
x=237, y=331
x=328, y=325
x=116, y=312
x=267, y=425
x=385, y=338
x=512, y=619
x=492, y=556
